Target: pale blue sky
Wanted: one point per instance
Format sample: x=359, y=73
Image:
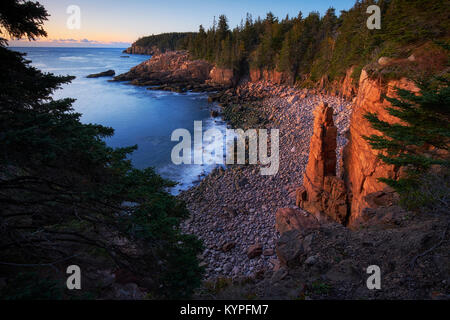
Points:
x=120, y=22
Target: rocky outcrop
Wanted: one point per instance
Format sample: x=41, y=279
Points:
x=134, y=49
x=348, y=88
x=362, y=167
x=295, y=227
x=222, y=76
x=109, y=73
x=322, y=191
x=273, y=76
x=175, y=71
x=331, y=262
x=168, y=68
x=345, y=198
x=345, y=87
x=287, y=219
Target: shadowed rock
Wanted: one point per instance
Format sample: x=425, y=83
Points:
x=289, y=219
x=254, y=251
x=109, y=73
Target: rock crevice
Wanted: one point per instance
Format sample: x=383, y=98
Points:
x=345, y=198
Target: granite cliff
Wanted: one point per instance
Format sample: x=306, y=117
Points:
x=174, y=70
x=135, y=49
x=346, y=198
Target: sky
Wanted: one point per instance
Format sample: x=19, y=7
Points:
x=118, y=23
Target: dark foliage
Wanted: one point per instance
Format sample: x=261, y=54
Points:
x=67, y=198
x=311, y=47
x=165, y=41
x=22, y=19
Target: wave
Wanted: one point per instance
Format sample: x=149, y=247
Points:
x=189, y=175
x=73, y=58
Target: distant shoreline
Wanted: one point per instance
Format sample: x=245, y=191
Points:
x=68, y=47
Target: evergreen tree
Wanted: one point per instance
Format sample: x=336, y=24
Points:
x=326, y=40
x=167, y=41
x=420, y=140
x=314, y=47
x=285, y=61
x=66, y=196
x=223, y=29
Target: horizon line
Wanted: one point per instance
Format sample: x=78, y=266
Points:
x=76, y=47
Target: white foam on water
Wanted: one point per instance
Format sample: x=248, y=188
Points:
x=190, y=175
x=72, y=58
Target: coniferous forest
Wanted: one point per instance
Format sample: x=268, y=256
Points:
x=67, y=197
x=368, y=172
x=310, y=46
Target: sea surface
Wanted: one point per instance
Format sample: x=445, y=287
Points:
x=139, y=116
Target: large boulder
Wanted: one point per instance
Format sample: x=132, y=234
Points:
x=289, y=248
x=288, y=219
x=254, y=251
x=384, y=61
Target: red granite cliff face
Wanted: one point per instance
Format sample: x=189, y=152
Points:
x=169, y=67
x=362, y=167
x=271, y=75
x=222, y=76
x=176, y=67
x=344, y=87
x=345, y=200
x=134, y=49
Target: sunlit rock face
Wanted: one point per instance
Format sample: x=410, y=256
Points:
x=362, y=167
x=222, y=76
x=322, y=191
x=134, y=49
x=170, y=67
x=345, y=199
x=273, y=76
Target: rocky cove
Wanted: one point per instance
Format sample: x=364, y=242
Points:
x=234, y=210
x=325, y=217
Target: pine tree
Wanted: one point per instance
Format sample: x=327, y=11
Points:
x=421, y=139
x=223, y=29
x=285, y=58
x=65, y=195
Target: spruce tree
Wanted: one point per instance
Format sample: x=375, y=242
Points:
x=222, y=28
x=420, y=140
x=66, y=196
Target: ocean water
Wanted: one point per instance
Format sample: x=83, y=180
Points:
x=138, y=116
